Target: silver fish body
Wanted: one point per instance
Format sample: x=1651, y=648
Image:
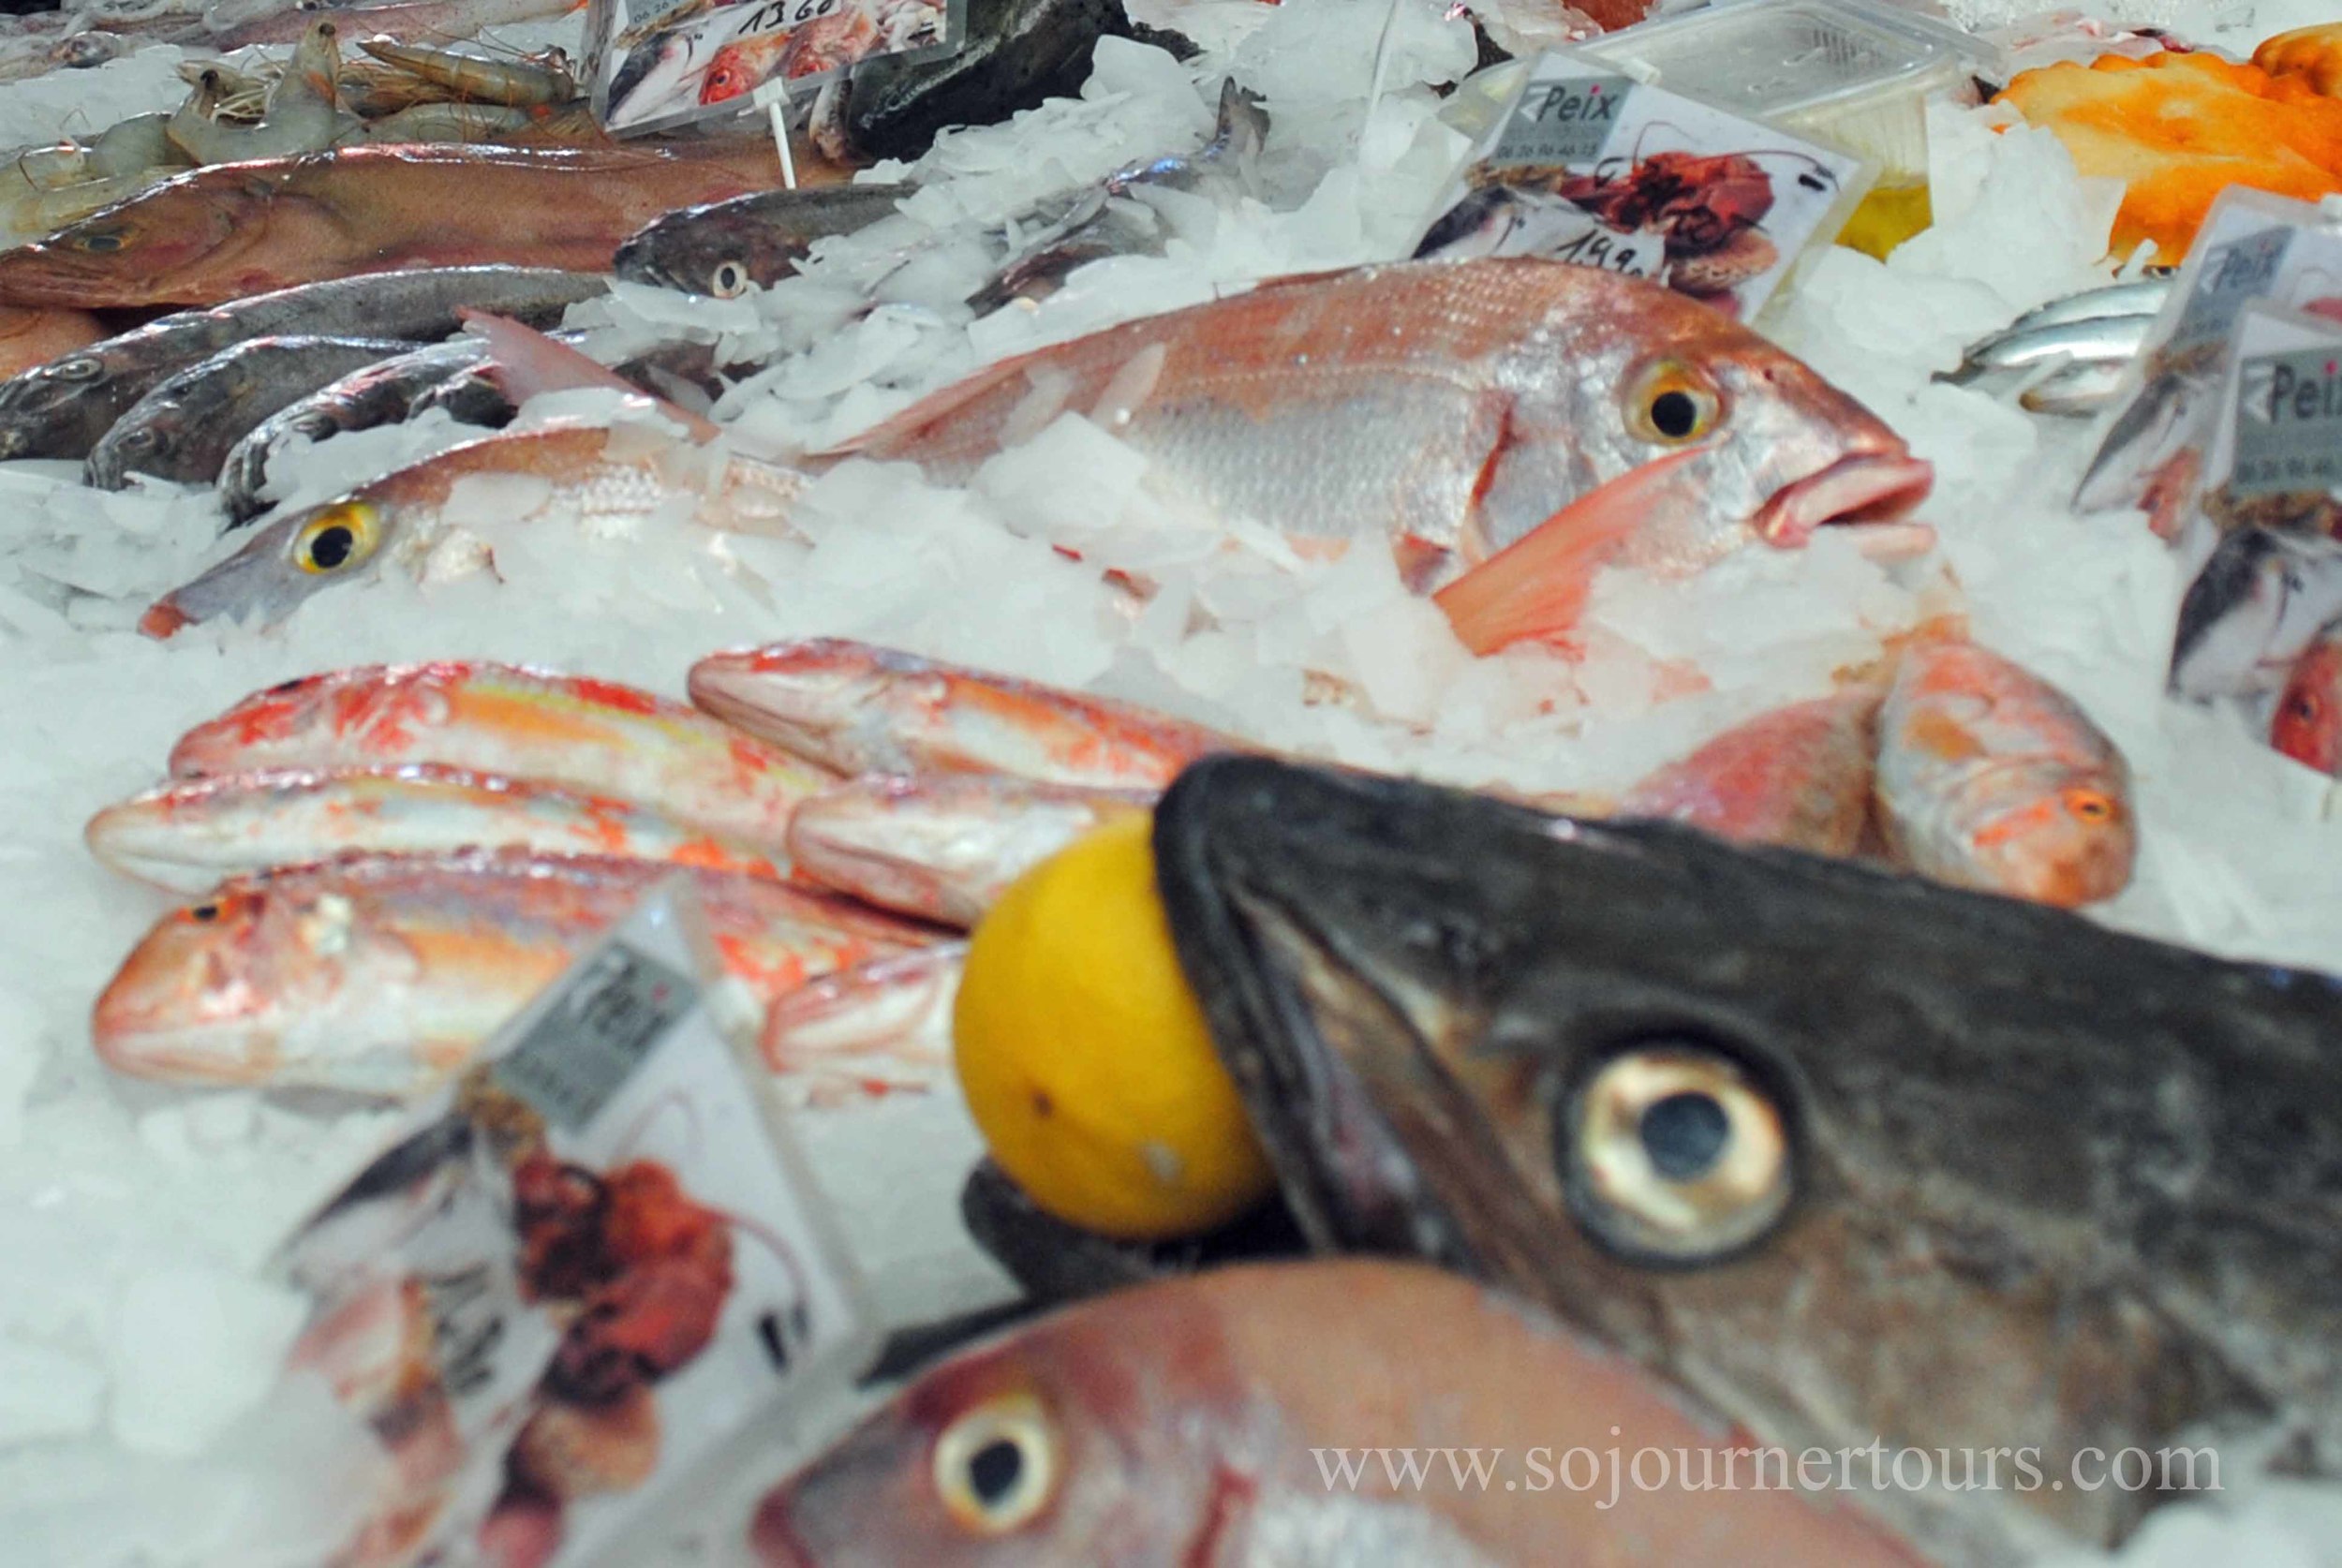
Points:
x=61, y=409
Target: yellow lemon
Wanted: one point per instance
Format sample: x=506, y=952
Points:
x=1889, y=214
x=1086, y=1060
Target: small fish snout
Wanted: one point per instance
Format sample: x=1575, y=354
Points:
x=163, y=619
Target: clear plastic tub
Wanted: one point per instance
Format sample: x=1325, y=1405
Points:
x=1854, y=74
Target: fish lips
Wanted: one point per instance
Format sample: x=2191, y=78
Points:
x=1876, y=492
x=1357, y=944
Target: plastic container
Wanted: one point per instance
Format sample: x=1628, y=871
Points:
x=1854, y=74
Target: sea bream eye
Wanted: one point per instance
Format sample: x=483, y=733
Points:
x=335, y=538
x=1671, y=1153
x=1670, y=402
x=996, y=1465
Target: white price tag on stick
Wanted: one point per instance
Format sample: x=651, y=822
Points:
x=582, y=1269
x=1590, y=165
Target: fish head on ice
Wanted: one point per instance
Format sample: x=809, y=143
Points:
x=365, y=711
x=2308, y=722
x=1191, y=1420
x=222, y=990
x=802, y=694
x=2257, y=603
x=1640, y=380
x=1849, y=1156
x=1050, y=1447
x=721, y=251
x=36, y=401
x=279, y=568
x=155, y=234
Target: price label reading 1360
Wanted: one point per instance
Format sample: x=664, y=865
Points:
x=782, y=14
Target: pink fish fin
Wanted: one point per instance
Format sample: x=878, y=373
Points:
x=1535, y=587
x=1030, y=389
x=527, y=363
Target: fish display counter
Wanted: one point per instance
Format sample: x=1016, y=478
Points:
x=1126, y=781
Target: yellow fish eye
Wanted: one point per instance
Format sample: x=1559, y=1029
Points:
x=336, y=539
x=99, y=242
x=996, y=1464
x=1672, y=403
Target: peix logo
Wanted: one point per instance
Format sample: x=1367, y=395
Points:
x=2288, y=424
x=2232, y=275
x=1564, y=121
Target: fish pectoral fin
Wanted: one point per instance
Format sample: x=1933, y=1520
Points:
x=1535, y=589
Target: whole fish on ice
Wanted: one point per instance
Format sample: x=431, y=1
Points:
x=858, y=708
x=382, y=975
x=189, y=834
x=631, y=465
x=1191, y=1421
x=1458, y=409
x=596, y=737
x=1848, y=1156
x=1990, y=777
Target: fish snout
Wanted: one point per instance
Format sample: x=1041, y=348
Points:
x=163, y=619
x=1875, y=489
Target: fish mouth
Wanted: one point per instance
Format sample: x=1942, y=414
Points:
x=1361, y=1063
x=1874, y=492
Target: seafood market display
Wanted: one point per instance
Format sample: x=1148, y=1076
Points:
x=1074, y=781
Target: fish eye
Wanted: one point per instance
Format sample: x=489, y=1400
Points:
x=336, y=539
x=82, y=367
x=139, y=439
x=1672, y=1154
x=205, y=913
x=99, y=242
x=2091, y=805
x=2304, y=706
x=316, y=426
x=1672, y=403
x=729, y=281
x=996, y=1465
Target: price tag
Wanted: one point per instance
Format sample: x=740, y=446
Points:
x=1591, y=166
x=583, y=1268
x=2288, y=431
x=651, y=65
x=2252, y=247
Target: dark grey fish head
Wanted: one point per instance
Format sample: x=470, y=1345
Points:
x=1848, y=1155
x=60, y=408
x=725, y=248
